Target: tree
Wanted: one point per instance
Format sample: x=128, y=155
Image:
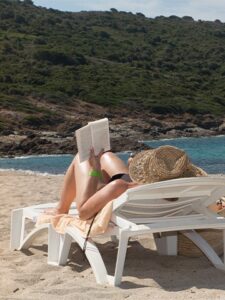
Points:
x=113, y=10
x=28, y=2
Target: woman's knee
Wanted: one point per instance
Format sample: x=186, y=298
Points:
x=76, y=158
x=107, y=156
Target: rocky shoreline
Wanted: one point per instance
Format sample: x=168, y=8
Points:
x=126, y=130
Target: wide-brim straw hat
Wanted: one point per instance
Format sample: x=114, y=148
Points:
x=162, y=163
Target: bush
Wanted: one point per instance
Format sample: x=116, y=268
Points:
x=59, y=58
x=42, y=121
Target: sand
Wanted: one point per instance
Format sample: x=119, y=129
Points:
x=26, y=275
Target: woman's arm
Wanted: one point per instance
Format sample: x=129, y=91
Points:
x=96, y=202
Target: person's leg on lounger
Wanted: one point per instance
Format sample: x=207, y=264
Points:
x=92, y=193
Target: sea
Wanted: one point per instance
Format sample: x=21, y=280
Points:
x=206, y=152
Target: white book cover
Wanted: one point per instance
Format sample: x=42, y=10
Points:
x=94, y=135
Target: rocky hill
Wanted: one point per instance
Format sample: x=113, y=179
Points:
x=158, y=77
x=128, y=127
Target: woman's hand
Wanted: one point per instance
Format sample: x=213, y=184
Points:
x=94, y=160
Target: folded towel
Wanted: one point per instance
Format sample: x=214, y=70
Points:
x=61, y=221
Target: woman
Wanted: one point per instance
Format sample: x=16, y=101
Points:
x=94, y=183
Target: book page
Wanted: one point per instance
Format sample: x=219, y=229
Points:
x=84, y=142
x=100, y=135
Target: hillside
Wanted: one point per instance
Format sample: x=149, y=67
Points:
x=52, y=60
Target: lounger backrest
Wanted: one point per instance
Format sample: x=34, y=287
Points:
x=156, y=200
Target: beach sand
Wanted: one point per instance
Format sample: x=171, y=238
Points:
x=26, y=275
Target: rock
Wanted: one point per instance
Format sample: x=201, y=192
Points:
x=222, y=127
x=127, y=127
x=6, y=132
x=208, y=122
x=198, y=131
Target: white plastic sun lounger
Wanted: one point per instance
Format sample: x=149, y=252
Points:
x=144, y=210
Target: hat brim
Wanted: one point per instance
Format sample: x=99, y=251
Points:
x=136, y=167
x=137, y=170
x=194, y=171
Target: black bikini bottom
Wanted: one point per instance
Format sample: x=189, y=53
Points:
x=123, y=176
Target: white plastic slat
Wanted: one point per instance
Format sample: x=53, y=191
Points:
x=32, y=212
x=148, y=212
x=167, y=225
x=171, y=218
x=170, y=194
x=159, y=203
x=205, y=183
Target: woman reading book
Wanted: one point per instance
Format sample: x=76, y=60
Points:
x=93, y=183
x=102, y=178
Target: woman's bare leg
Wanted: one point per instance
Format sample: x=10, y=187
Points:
x=68, y=192
x=108, y=163
x=90, y=204
x=80, y=185
x=77, y=183
x=111, y=164
x=86, y=185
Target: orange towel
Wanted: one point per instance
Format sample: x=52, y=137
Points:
x=60, y=222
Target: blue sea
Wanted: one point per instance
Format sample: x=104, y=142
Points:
x=206, y=152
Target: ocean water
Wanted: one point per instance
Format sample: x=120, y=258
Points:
x=46, y=164
x=206, y=152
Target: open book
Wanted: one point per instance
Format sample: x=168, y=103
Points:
x=94, y=135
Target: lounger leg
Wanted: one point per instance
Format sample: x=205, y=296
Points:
x=122, y=250
x=17, y=228
x=27, y=241
x=205, y=248
x=54, y=240
x=92, y=253
x=166, y=243
x=65, y=249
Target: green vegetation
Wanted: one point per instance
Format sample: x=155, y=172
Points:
x=110, y=58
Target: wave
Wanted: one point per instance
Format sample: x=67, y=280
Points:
x=37, y=156
x=161, y=140
x=29, y=172
x=182, y=138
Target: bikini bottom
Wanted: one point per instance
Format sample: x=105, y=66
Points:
x=123, y=176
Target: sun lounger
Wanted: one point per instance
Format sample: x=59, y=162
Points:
x=145, y=209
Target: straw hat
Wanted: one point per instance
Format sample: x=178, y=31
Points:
x=168, y=162
x=162, y=163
